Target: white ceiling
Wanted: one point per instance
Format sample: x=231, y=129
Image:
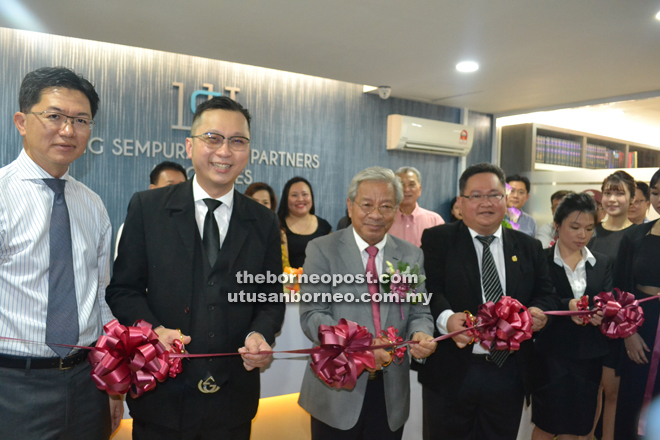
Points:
x=533, y=54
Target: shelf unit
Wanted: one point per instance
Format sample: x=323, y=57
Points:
x=530, y=147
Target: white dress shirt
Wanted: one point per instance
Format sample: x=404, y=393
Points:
x=363, y=245
x=26, y=203
x=578, y=277
x=222, y=214
x=497, y=250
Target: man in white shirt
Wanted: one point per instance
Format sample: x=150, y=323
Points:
x=55, y=239
x=546, y=233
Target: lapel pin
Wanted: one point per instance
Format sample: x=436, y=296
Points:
x=514, y=258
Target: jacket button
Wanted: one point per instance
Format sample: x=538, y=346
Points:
x=211, y=307
x=211, y=335
x=210, y=283
x=186, y=310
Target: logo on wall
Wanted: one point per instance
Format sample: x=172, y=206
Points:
x=206, y=91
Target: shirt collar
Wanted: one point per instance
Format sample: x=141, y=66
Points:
x=29, y=170
x=497, y=234
x=199, y=194
x=412, y=214
x=587, y=256
x=362, y=245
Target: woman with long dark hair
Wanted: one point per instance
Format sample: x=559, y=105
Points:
x=637, y=271
x=297, y=219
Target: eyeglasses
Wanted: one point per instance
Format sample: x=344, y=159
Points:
x=215, y=141
x=58, y=120
x=384, y=210
x=481, y=197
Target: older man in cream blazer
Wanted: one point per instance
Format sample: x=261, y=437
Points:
x=378, y=406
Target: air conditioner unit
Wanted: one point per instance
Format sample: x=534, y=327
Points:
x=407, y=133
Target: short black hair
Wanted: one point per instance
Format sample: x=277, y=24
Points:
x=35, y=82
x=480, y=168
x=618, y=181
x=166, y=165
x=575, y=202
x=283, y=209
x=519, y=178
x=261, y=186
x=644, y=188
x=654, y=179
x=220, y=103
x=558, y=195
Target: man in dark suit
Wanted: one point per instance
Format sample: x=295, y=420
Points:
x=180, y=251
x=469, y=393
x=378, y=406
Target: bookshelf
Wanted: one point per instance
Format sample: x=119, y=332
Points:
x=532, y=147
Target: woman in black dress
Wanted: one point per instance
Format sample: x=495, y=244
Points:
x=618, y=193
x=297, y=219
x=638, y=271
x=569, y=354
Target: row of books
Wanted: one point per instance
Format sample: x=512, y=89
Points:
x=569, y=153
x=558, y=151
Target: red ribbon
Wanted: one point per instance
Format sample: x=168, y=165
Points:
x=392, y=335
x=504, y=325
x=128, y=359
x=621, y=316
x=343, y=354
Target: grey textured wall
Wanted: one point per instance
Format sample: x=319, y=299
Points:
x=292, y=113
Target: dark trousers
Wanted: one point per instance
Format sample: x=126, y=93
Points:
x=52, y=404
x=150, y=431
x=372, y=424
x=488, y=405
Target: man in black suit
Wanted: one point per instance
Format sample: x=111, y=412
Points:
x=469, y=393
x=180, y=251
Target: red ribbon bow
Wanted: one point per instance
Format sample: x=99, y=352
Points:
x=342, y=354
x=128, y=359
x=504, y=325
x=621, y=316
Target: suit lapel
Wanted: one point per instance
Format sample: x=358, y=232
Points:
x=511, y=263
x=393, y=254
x=466, y=258
x=240, y=224
x=182, y=211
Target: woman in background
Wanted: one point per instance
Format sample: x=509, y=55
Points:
x=455, y=213
x=637, y=272
x=618, y=192
x=569, y=354
x=297, y=219
x=262, y=192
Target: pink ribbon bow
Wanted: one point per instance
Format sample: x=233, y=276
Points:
x=128, y=359
x=621, y=316
x=503, y=326
x=343, y=354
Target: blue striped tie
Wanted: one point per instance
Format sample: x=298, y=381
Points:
x=62, y=319
x=490, y=282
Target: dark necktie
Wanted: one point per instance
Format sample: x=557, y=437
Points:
x=490, y=282
x=211, y=238
x=372, y=272
x=62, y=318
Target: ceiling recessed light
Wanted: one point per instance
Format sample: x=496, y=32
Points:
x=657, y=16
x=467, y=66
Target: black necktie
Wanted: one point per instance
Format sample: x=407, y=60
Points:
x=211, y=238
x=62, y=317
x=490, y=282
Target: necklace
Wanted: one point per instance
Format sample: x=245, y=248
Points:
x=300, y=231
